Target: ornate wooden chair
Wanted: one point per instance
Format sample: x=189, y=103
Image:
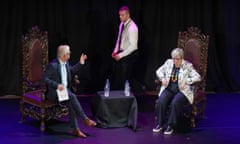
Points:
x=195, y=46
x=34, y=60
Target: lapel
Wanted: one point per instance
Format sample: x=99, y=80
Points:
x=180, y=75
x=181, y=71
x=59, y=70
x=169, y=70
x=68, y=72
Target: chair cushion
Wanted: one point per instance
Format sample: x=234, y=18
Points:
x=35, y=98
x=35, y=95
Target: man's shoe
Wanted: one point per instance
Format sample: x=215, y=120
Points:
x=89, y=122
x=78, y=133
x=168, y=131
x=158, y=128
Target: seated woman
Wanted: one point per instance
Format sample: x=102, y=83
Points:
x=176, y=76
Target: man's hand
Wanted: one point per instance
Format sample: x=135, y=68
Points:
x=83, y=58
x=116, y=57
x=113, y=54
x=60, y=87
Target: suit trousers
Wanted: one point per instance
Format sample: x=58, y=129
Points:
x=75, y=110
x=170, y=104
x=122, y=71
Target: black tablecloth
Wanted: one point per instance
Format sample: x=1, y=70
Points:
x=117, y=110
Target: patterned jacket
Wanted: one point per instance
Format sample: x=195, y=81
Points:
x=187, y=75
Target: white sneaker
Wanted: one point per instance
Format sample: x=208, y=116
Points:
x=168, y=131
x=158, y=128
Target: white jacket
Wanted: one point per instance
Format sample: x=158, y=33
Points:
x=187, y=75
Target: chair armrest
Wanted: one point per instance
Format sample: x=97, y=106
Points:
x=158, y=84
x=75, y=83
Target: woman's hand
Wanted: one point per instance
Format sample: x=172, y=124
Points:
x=164, y=82
x=182, y=85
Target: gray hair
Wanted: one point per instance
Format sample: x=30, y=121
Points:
x=62, y=50
x=177, y=52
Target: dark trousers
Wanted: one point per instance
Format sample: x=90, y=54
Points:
x=75, y=110
x=172, y=103
x=122, y=71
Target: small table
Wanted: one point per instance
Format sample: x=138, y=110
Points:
x=117, y=110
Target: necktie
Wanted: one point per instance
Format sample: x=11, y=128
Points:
x=120, y=37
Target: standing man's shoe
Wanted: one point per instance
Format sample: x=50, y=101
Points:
x=168, y=131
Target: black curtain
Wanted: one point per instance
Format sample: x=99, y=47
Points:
x=91, y=26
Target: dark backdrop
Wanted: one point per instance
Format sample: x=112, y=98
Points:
x=91, y=26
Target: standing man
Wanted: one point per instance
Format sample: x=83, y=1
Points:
x=125, y=51
x=58, y=77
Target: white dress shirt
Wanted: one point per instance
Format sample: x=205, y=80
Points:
x=129, y=38
x=64, y=73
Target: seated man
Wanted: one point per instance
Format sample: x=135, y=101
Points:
x=176, y=76
x=58, y=76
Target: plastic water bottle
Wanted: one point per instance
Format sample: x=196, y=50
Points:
x=107, y=88
x=127, y=88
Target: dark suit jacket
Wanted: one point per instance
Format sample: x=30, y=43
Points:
x=52, y=77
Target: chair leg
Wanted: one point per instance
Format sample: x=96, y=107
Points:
x=193, y=115
x=42, y=125
x=22, y=107
x=193, y=124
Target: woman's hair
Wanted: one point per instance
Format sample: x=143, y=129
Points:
x=177, y=52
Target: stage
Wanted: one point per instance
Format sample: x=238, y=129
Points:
x=221, y=125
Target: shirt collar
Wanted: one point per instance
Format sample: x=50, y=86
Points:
x=61, y=62
x=127, y=22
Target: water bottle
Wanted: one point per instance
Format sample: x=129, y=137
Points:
x=127, y=88
x=107, y=88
